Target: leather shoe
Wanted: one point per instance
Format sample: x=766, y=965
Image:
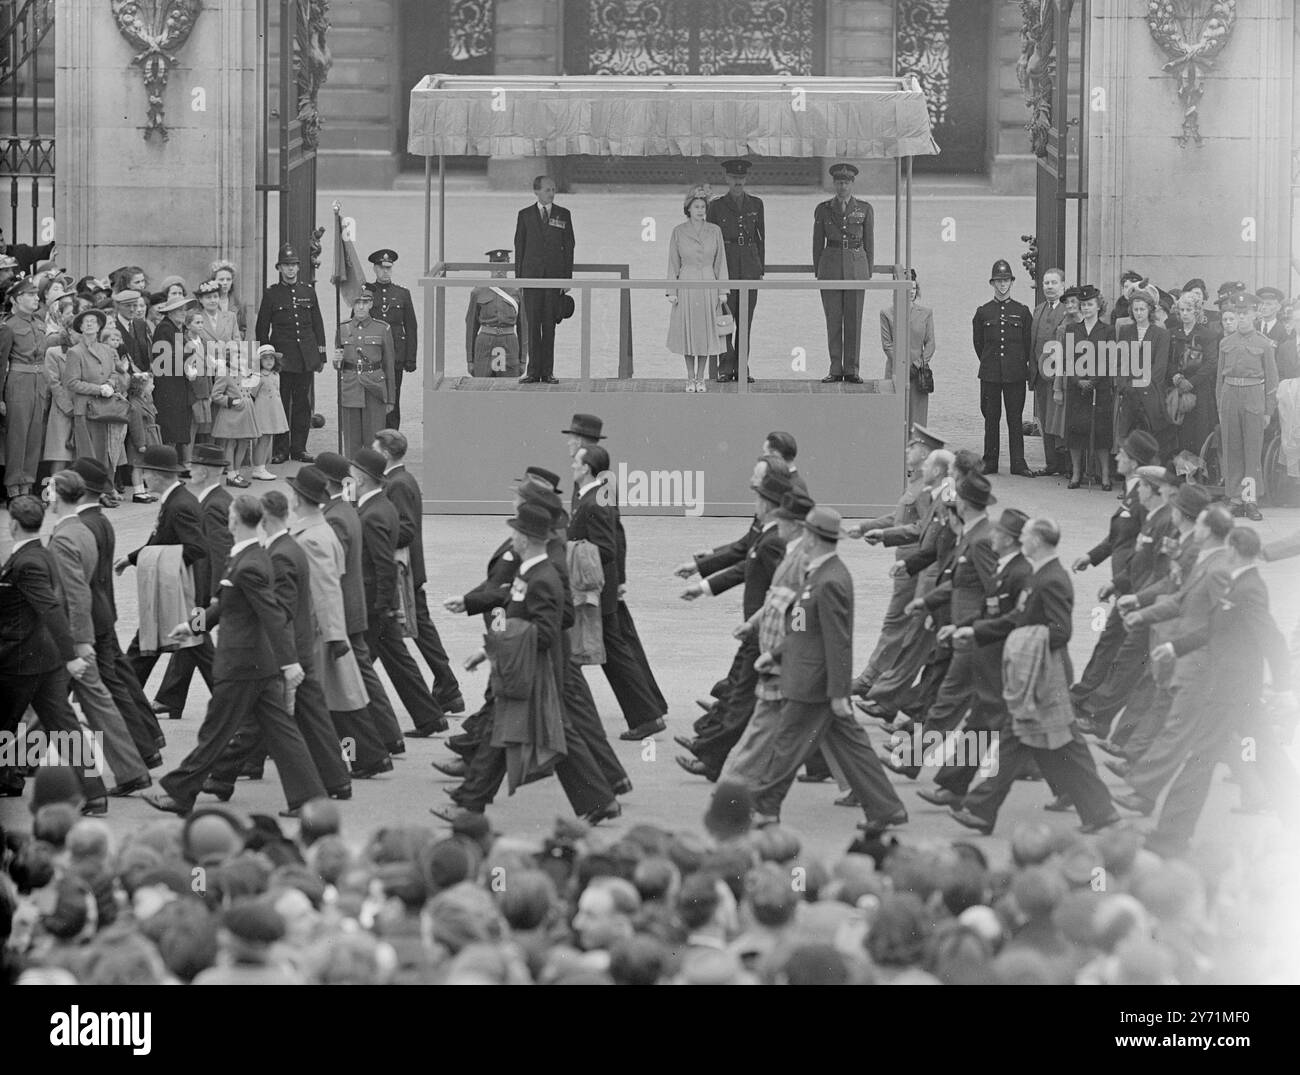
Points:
x=251, y=773
x=851, y=378
x=989, y=470
x=451, y=816
x=1104, y=823
x=550, y=380
x=1120, y=767
x=873, y=709
x=528, y=380
x=706, y=706
x=832, y=379
x=278, y=458
x=396, y=748
x=940, y=797
x=343, y=793
x=457, y=767
x=217, y=788
x=641, y=731
x=454, y=706
x=692, y=765
x=1062, y=804
x=292, y=812
x=909, y=771
x=607, y=812
x=160, y=800
x=623, y=787
x=94, y=807
x=365, y=772
x=424, y=733
x=685, y=742
x=875, y=826
x=1135, y=802
x=971, y=821
x=848, y=800
x=153, y=761
x=130, y=787
x=303, y=457
x=811, y=778
x=1111, y=749
x=1023, y=472
x=167, y=711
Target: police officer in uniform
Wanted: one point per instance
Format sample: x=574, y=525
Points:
x=492, y=325
x=1246, y=389
x=289, y=319
x=1002, y=334
x=393, y=304
x=366, y=359
x=740, y=216
x=24, y=390
x=843, y=248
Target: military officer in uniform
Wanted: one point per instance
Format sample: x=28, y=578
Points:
x=289, y=319
x=366, y=359
x=393, y=304
x=740, y=216
x=1003, y=331
x=492, y=325
x=1246, y=390
x=24, y=390
x=843, y=248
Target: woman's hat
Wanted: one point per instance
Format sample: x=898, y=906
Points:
x=1071, y=292
x=97, y=314
x=311, y=484
x=267, y=349
x=1089, y=293
x=532, y=520
x=208, y=287
x=369, y=461
x=175, y=304
x=161, y=457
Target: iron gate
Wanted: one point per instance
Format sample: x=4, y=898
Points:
x=27, y=99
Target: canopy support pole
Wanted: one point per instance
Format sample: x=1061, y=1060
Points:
x=428, y=209
x=442, y=207
x=907, y=264
x=898, y=214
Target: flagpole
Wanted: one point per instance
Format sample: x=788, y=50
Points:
x=338, y=321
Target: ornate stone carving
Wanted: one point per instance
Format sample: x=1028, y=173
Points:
x=1191, y=33
x=311, y=64
x=1036, y=68
x=158, y=28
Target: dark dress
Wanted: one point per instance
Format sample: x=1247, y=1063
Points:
x=171, y=390
x=1196, y=357
x=1090, y=401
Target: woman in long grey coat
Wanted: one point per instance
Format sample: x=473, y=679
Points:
x=88, y=376
x=696, y=252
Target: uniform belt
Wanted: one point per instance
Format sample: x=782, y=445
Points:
x=1243, y=382
x=494, y=331
x=738, y=242
x=852, y=244
x=362, y=367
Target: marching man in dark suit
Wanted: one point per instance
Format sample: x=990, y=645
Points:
x=393, y=304
x=815, y=662
x=37, y=650
x=543, y=249
x=289, y=319
x=1003, y=330
x=843, y=248
x=255, y=671
x=740, y=216
x=1047, y=600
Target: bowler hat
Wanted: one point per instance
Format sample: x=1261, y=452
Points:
x=824, y=522
x=843, y=171
x=773, y=487
x=586, y=425
x=208, y=455
x=1191, y=500
x=736, y=167
x=94, y=474
x=311, y=484
x=565, y=308
x=98, y=314
x=370, y=462
x=1012, y=522
x=381, y=257
x=975, y=489
x=1141, y=447
x=333, y=466
x=287, y=256
x=795, y=505
x=1001, y=271
x=921, y=435
x=161, y=457
x=532, y=520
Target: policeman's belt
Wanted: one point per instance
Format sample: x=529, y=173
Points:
x=491, y=330
x=852, y=244
x=738, y=242
x=1243, y=382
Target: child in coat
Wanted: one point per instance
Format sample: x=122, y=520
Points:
x=267, y=410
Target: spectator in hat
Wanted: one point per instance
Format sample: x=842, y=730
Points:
x=492, y=325
x=199, y=371
x=250, y=930
x=544, y=245
x=922, y=349
x=1129, y=281
x=366, y=360
x=696, y=251
x=172, y=393
x=98, y=394
x=739, y=215
x=24, y=391
x=1002, y=333
x=235, y=389
x=223, y=272
x=843, y=248
x=394, y=307
x=1143, y=406
x=1089, y=400
x=1246, y=396
x=268, y=410
x=1271, y=323
x=1193, y=362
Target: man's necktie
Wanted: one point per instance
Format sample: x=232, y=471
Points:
x=546, y=216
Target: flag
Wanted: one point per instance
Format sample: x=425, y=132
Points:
x=348, y=276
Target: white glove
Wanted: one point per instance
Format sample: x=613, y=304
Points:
x=106, y=390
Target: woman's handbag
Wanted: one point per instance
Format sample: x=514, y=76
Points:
x=112, y=409
x=724, y=324
x=923, y=379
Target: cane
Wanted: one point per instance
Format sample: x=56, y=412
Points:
x=1092, y=439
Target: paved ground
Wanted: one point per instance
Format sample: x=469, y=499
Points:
x=689, y=645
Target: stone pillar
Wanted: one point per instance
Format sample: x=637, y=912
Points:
x=1012, y=166
x=1142, y=183
x=168, y=206
x=529, y=41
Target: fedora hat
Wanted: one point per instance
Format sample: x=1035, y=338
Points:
x=975, y=489
x=311, y=484
x=773, y=487
x=539, y=475
x=1012, y=522
x=586, y=425
x=1141, y=447
x=824, y=522
x=94, y=312
x=1191, y=500
x=532, y=493
x=532, y=520
x=208, y=455
x=370, y=462
x=795, y=505
x=162, y=458
x=93, y=473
